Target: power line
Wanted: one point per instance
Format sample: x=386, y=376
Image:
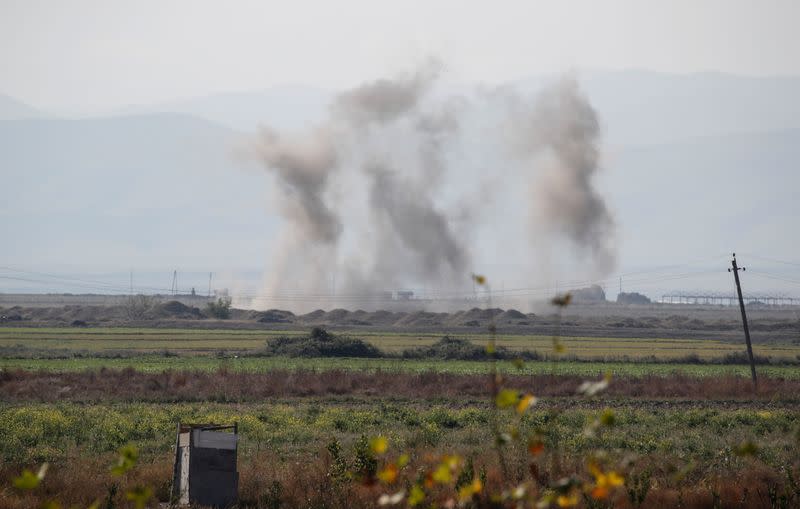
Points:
x=772, y=260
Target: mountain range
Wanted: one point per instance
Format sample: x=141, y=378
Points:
x=694, y=163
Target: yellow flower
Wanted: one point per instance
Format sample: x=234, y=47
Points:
x=562, y=300
x=416, y=497
x=570, y=500
x=507, y=398
x=467, y=491
x=442, y=474
x=388, y=474
x=615, y=479
x=379, y=445
x=526, y=402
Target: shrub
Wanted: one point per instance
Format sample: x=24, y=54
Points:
x=321, y=343
x=449, y=348
x=220, y=310
x=138, y=306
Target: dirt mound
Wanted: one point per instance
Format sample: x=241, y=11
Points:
x=474, y=317
x=175, y=309
x=511, y=315
x=384, y=318
x=422, y=319
x=312, y=317
x=336, y=317
x=276, y=316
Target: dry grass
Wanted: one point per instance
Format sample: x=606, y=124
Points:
x=133, y=385
x=269, y=481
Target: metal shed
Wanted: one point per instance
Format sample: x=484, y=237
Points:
x=205, y=465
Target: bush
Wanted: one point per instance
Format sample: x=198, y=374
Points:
x=449, y=348
x=320, y=343
x=220, y=309
x=138, y=306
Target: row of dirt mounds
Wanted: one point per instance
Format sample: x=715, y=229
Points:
x=473, y=318
x=615, y=322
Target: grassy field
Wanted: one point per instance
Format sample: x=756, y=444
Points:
x=50, y=432
x=285, y=454
x=199, y=341
x=674, y=446
x=152, y=364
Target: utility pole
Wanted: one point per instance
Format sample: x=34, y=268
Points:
x=735, y=269
x=174, y=287
x=209, y=284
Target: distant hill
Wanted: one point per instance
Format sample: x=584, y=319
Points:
x=283, y=107
x=699, y=163
x=635, y=107
x=145, y=185
x=11, y=109
x=707, y=195
x=645, y=108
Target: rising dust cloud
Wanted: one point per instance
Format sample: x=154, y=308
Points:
x=370, y=196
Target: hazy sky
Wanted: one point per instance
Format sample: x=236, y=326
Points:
x=94, y=55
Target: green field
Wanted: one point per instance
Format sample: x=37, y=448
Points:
x=206, y=341
x=287, y=441
x=152, y=364
x=38, y=432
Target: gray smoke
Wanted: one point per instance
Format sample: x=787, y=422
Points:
x=562, y=130
x=407, y=212
x=303, y=167
x=386, y=100
x=414, y=237
x=362, y=195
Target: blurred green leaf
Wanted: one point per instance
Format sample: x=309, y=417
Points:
x=139, y=496
x=507, y=398
x=27, y=480
x=416, y=497
x=746, y=448
x=128, y=456
x=607, y=418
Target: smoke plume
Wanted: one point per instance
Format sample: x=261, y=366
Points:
x=563, y=131
x=374, y=197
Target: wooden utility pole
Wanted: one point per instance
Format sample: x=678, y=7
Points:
x=735, y=269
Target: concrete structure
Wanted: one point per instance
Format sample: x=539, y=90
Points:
x=205, y=466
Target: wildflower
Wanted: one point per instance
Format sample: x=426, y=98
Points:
x=746, y=448
x=416, y=497
x=394, y=499
x=28, y=480
x=607, y=418
x=139, y=496
x=603, y=482
x=468, y=491
x=389, y=474
x=442, y=474
x=481, y=280
x=128, y=456
x=562, y=300
x=591, y=388
x=526, y=402
x=569, y=500
x=506, y=398
x=535, y=447
x=379, y=445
